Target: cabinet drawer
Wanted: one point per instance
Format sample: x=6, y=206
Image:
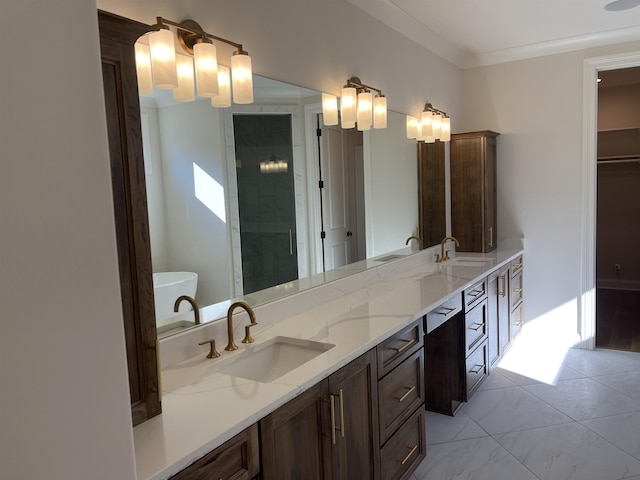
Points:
x=400, y=393
x=237, y=459
x=516, y=266
x=516, y=290
x=396, y=348
x=443, y=312
x=402, y=454
x=474, y=294
x=476, y=368
x=475, y=326
x=516, y=321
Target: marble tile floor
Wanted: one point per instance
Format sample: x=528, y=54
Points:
x=579, y=420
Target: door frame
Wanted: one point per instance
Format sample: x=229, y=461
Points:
x=233, y=223
x=587, y=301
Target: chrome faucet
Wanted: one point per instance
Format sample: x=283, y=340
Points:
x=444, y=254
x=413, y=237
x=247, y=337
x=194, y=305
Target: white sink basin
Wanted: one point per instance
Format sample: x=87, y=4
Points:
x=274, y=358
x=469, y=261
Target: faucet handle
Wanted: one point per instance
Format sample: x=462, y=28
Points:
x=247, y=335
x=212, y=350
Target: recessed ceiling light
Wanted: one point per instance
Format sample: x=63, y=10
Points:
x=619, y=5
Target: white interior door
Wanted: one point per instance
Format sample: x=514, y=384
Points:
x=336, y=177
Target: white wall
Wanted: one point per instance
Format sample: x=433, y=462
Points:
x=192, y=133
x=64, y=395
x=536, y=105
x=391, y=187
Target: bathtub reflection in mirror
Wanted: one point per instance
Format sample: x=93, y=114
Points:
x=233, y=195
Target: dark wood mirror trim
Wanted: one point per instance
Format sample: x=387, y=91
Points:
x=117, y=38
x=432, y=222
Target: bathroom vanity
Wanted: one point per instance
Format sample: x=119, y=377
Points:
x=393, y=329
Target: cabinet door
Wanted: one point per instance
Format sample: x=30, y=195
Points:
x=493, y=320
x=473, y=190
x=295, y=440
x=504, y=313
x=355, y=452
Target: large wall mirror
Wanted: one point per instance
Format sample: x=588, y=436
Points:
x=235, y=205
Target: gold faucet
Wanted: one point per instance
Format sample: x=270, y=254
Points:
x=194, y=305
x=413, y=237
x=444, y=255
x=247, y=337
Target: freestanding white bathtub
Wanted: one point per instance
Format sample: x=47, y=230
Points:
x=167, y=287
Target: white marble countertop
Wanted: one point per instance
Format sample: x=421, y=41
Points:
x=202, y=408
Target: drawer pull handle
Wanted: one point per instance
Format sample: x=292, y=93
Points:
x=477, y=369
x=333, y=420
x=516, y=265
x=491, y=236
x=448, y=312
x=502, y=291
x=406, y=459
x=341, y=412
x=476, y=293
x=476, y=326
x=517, y=290
x=406, y=345
x=407, y=394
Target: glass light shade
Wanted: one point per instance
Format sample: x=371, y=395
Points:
x=205, y=58
x=223, y=99
x=242, y=78
x=329, y=109
x=185, y=91
x=427, y=124
x=365, y=111
x=348, y=107
x=446, y=130
x=163, y=59
x=412, y=127
x=143, y=69
x=437, y=126
x=380, y=112
x=419, y=135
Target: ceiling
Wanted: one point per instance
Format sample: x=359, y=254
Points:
x=471, y=33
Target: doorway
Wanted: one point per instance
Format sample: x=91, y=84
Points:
x=266, y=200
x=617, y=221
x=341, y=191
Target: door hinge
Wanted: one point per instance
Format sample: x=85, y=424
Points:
x=320, y=184
x=323, y=235
x=318, y=132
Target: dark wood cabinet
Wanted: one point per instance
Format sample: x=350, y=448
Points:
x=516, y=296
x=236, y=459
x=117, y=39
x=432, y=220
x=353, y=392
x=473, y=190
x=295, y=440
x=328, y=432
x=499, y=323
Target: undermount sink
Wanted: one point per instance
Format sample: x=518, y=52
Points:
x=469, y=261
x=274, y=358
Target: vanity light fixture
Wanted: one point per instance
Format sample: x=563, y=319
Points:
x=211, y=79
x=433, y=125
x=357, y=106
